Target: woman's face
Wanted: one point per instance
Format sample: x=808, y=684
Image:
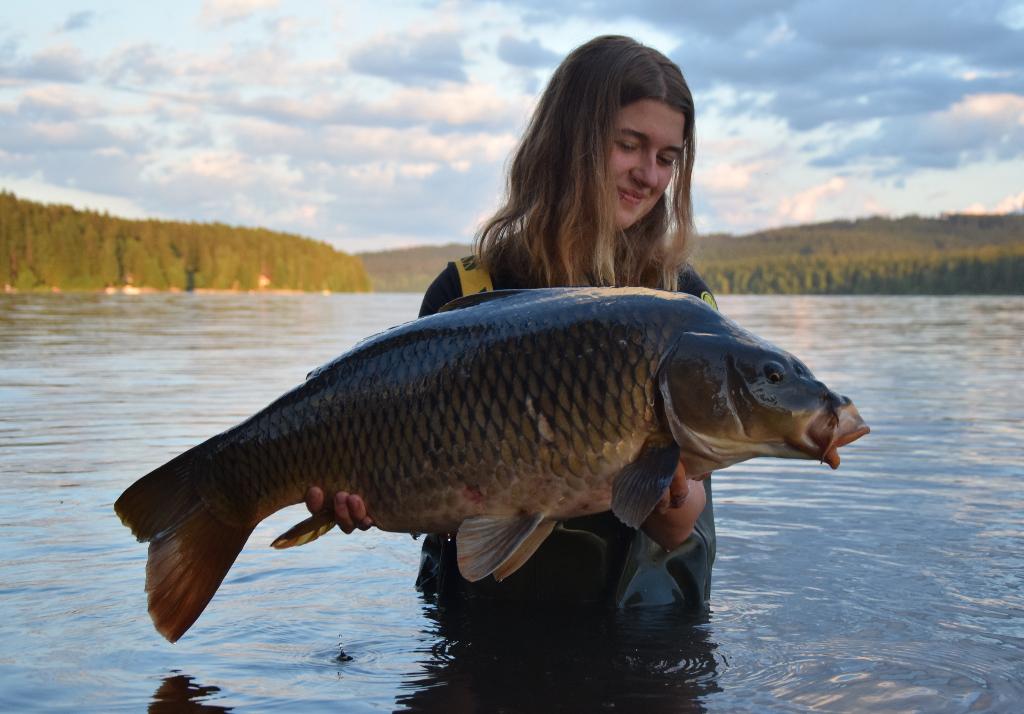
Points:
x=648, y=141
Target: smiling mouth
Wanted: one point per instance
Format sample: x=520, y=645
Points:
x=630, y=197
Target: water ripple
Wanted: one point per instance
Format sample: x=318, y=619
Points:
x=893, y=584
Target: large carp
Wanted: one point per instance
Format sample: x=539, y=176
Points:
x=496, y=418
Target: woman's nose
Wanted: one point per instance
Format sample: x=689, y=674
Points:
x=645, y=170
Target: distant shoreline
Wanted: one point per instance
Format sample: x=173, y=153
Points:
x=131, y=290
x=69, y=250
x=46, y=248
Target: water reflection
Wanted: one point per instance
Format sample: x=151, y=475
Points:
x=893, y=584
x=489, y=657
x=179, y=693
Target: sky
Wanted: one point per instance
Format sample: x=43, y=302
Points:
x=375, y=125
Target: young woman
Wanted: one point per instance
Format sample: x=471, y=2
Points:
x=598, y=194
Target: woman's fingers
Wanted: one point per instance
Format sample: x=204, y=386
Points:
x=350, y=512
x=354, y=507
x=314, y=499
x=679, y=489
x=349, y=509
x=675, y=494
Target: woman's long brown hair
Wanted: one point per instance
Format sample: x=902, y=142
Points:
x=557, y=226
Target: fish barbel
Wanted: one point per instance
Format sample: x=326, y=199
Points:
x=496, y=418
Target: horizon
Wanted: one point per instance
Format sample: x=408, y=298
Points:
x=374, y=131
x=469, y=241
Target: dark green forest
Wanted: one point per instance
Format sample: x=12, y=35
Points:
x=47, y=247
x=952, y=254
x=43, y=247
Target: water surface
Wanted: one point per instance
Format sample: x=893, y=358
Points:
x=893, y=584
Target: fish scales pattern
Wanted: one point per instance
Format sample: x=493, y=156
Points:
x=429, y=431
x=522, y=407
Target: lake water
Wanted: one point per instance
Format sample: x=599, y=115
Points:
x=893, y=584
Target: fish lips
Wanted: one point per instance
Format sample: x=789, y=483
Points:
x=834, y=426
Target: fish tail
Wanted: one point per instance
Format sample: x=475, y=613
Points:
x=190, y=549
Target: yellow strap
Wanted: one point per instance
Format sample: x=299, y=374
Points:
x=472, y=278
x=709, y=299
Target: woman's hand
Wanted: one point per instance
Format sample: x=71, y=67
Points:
x=669, y=524
x=673, y=518
x=349, y=509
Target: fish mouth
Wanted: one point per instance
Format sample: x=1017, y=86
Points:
x=831, y=429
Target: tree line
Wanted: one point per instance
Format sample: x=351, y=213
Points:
x=957, y=253
x=952, y=254
x=46, y=247
x=43, y=247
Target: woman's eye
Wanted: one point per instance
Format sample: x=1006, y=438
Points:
x=627, y=146
x=667, y=160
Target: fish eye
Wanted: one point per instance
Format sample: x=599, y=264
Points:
x=774, y=372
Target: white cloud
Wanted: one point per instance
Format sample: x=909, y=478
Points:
x=225, y=12
x=420, y=144
x=421, y=170
x=51, y=137
x=728, y=176
x=37, y=188
x=260, y=117
x=1013, y=203
x=414, y=58
x=978, y=127
x=231, y=170
x=355, y=145
x=458, y=105
x=143, y=64
x=56, y=102
x=63, y=63
x=1001, y=109
x=803, y=206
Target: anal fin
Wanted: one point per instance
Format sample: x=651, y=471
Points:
x=499, y=545
x=306, y=531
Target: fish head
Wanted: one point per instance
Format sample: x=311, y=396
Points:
x=730, y=397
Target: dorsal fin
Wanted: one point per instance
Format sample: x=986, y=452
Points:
x=477, y=298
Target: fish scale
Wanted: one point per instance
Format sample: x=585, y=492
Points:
x=480, y=399
x=480, y=412
x=494, y=418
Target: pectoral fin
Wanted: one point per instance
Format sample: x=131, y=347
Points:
x=499, y=545
x=306, y=531
x=638, y=487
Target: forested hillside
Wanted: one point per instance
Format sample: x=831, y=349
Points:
x=46, y=247
x=953, y=254
x=410, y=269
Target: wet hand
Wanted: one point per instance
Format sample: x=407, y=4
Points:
x=349, y=509
x=673, y=518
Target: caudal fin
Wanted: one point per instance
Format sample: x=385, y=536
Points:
x=190, y=549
